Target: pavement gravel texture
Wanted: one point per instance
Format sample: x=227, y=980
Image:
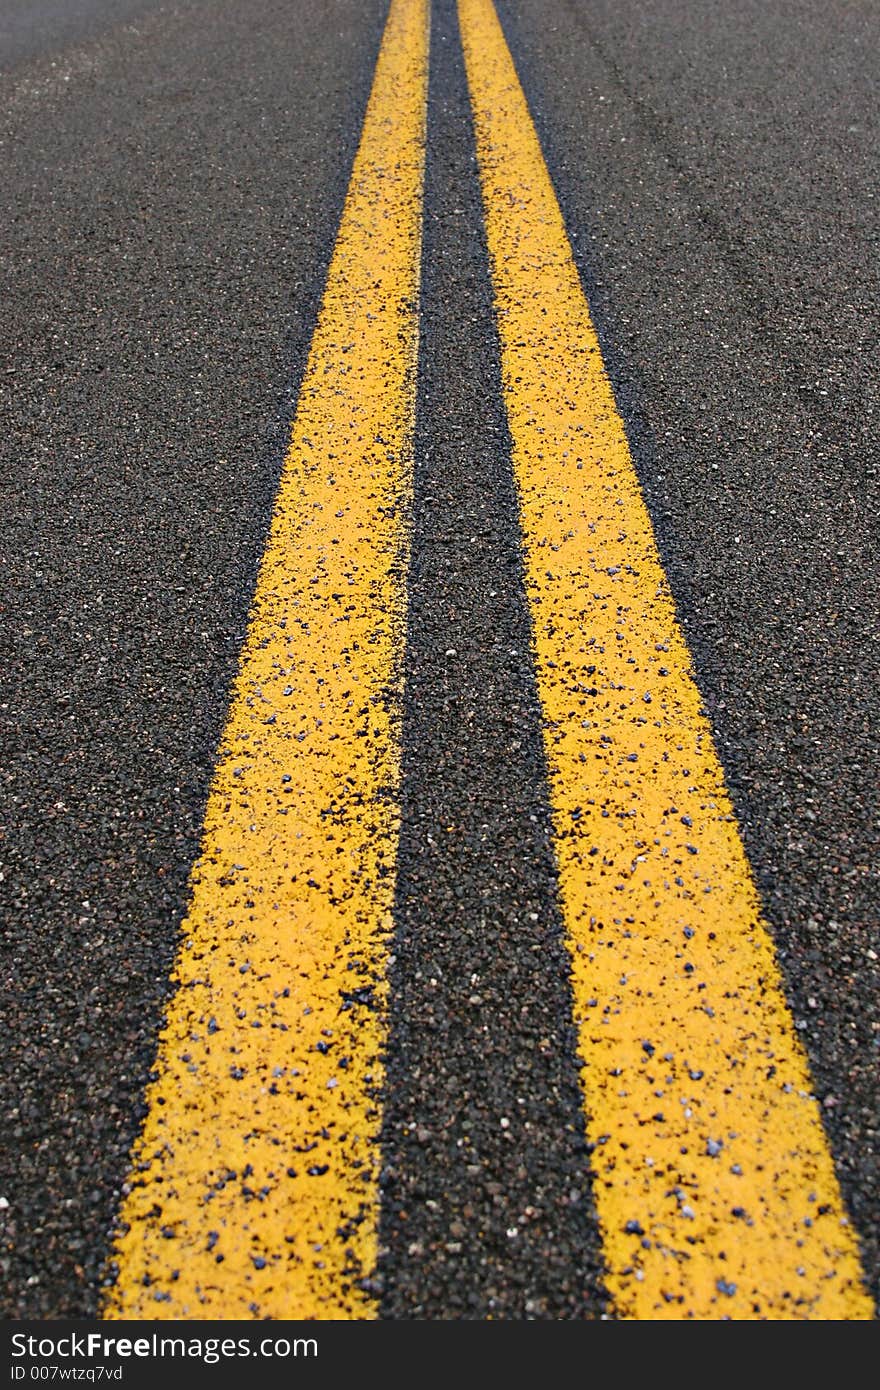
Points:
x=718, y=172
x=174, y=175
x=173, y=210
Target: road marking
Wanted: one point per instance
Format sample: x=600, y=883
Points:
x=253, y=1190
x=715, y=1189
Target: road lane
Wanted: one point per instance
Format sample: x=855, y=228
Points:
x=253, y=1187
x=698, y=1096
x=718, y=172
x=170, y=218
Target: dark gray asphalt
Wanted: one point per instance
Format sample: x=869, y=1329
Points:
x=173, y=176
x=63, y=31
x=168, y=217
x=719, y=171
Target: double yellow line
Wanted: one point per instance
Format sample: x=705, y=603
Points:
x=253, y=1189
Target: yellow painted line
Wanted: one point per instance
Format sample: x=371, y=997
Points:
x=714, y=1186
x=253, y=1191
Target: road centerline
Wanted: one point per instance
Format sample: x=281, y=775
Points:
x=486, y=1205
x=715, y=1189
x=253, y=1190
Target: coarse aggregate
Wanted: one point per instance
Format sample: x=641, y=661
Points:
x=718, y=172
x=168, y=219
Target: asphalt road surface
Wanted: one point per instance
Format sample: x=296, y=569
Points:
x=175, y=181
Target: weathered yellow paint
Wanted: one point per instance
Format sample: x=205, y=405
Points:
x=714, y=1186
x=253, y=1190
